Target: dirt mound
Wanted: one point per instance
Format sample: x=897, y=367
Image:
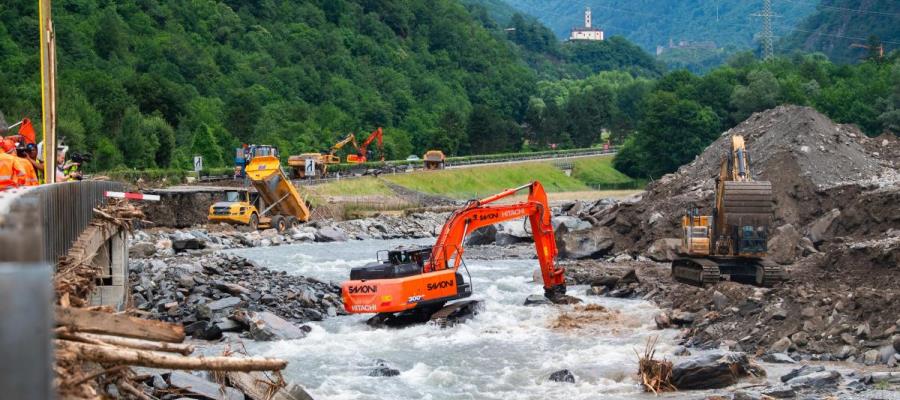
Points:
x=814, y=165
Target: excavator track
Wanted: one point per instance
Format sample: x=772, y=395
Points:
x=695, y=271
x=455, y=313
x=769, y=274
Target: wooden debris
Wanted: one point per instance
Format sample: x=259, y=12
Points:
x=155, y=359
x=82, y=320
x=139, y=344
x=260, y=386
x=656, y=375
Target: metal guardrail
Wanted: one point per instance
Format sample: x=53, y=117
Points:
x=63, y=210
x=566, y=155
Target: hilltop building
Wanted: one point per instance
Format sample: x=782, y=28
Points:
x=587, y=32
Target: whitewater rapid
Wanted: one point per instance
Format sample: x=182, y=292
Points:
x=507, y=351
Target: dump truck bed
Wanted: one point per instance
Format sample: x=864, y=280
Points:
x=275, y=188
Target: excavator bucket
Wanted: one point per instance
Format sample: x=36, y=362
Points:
x=748, y=203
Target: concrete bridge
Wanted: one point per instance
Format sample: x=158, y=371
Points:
x=38, y=226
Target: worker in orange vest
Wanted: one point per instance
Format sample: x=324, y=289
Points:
x=28, y=176
x=8, y=165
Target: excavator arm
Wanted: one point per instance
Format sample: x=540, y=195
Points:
x=351, y=138
x=424, y=279
x=448, y=250
x=362, y=151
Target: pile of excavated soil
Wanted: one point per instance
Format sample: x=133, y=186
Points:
x=814, y=165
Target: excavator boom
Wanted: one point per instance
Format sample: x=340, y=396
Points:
x=427, y=278
x=361, y=155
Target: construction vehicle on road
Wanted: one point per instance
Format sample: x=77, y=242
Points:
x=730, y=244
x=434, y=159
x=410, y=285
x=362, y=152
x=320, y=161
x=276, y=203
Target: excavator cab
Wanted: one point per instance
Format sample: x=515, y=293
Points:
x=399, y=263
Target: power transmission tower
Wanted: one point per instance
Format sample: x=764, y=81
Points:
x=767, y=36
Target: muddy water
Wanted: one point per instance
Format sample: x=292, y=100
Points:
x=508, y=351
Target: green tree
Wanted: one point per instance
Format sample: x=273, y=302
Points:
x=761, y=93
x=205, y=145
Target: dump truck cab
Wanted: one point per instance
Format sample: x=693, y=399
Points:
x=237, y=208
x=434, y=159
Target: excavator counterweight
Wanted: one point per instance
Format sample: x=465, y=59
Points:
x=415, y=284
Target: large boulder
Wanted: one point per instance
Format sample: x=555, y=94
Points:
x=562, y=375
x=592, y=243
x=329, y=234
x=663, y=250
x=265, y=326
x=784, y=244
x=483, y=235
x=818, y=229
x=572, y=223
x=142, y=250
x=711, y=371
x=513, y=232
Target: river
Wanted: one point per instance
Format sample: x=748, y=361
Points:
x=507, y=351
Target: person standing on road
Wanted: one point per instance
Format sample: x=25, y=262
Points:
x=8, y=165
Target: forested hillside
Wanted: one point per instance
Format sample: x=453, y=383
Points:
x=839, y=24
x=649, y=23
x=149, y=83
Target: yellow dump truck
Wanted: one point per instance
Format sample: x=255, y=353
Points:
x=276, y=203
x=434, y=159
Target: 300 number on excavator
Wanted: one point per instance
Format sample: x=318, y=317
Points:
x=408, y=285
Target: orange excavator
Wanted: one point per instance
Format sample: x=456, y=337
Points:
x=410, y=285
x=362, y=152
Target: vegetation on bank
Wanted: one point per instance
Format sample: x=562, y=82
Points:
x=468, y=183
x=682, y=113
x=599, y=173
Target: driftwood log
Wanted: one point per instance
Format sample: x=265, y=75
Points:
x=154, y=359
x=82, y=320
x=139, y=344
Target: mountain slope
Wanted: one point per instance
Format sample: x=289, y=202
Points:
x=838, y=24
x=654, y=22
x=150, y=83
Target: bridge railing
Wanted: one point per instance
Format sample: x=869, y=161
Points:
x=60, y=211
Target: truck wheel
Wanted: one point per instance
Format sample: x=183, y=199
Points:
x=292, y=223
x=254, y=221
x=279, y=223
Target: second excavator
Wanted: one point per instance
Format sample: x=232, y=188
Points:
x=730, y=244
x=411, y=285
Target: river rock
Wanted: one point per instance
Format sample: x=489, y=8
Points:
x=593, y=243
x=572, y=224
x=781, y=346
x=710, y=371
x=512, y=232
x=719, y=300
x=562, y=375
x=816, y=379
x=182, y=245
x=482, y=236
x=882, y=377
x=537, y=300
x=382, y=369
x=141, y=250
x=329, y=234
x=266, y=326
x=209, y=310
x=897, y=343
x=778, y=358
x=886, y=354
x=804, y=370
x=663, y=250
x=202, y=387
